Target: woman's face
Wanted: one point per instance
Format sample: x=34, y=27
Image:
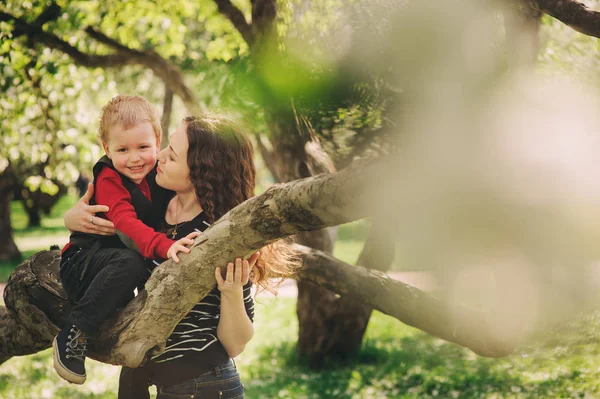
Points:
x=173, y=172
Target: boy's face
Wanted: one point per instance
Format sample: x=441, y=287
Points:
x=132, y=151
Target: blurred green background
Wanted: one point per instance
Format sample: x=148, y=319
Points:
x=346, y=75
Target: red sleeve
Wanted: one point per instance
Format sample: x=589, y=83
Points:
x=109, y=191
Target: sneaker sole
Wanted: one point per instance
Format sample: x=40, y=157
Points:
x=61, y=370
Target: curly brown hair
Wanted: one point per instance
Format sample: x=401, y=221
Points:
x=221, y=162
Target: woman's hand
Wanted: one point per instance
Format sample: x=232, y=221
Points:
x=180, y=246
x=82, y=216
x=235, y=328
x=237, y=276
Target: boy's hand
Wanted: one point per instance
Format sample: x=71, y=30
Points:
x=82, y=216
x=180, y=246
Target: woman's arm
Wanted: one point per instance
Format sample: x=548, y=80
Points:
x=111, y=192
x=235, y=327
x=82, y=216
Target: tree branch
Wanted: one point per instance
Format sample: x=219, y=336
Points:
x=574, y=14
x=285, y=209
x=144, y=324
x=51, y=13
x=35, y=300
x=408, y=304
x=102, y=38
x=237, y=19
x=161, y=67
x=37, y=35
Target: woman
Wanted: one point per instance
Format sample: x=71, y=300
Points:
x=209, y=167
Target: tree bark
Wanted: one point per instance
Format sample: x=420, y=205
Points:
x=30, y=201
x=574, y=14
x=8, y=248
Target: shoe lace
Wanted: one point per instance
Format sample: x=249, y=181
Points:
x=77, y=344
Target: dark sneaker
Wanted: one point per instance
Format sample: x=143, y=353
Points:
x=69, y=354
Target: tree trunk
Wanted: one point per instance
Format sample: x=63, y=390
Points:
x=326, y=321
x=37, y=202
x=33, y=213
x=296, y=154
x=8, y=248
x=290, y=161
x=348, y=317
x=165, y=119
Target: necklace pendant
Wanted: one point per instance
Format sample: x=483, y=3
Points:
x=174, y=233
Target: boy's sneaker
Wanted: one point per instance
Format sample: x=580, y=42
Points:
x=69, y=354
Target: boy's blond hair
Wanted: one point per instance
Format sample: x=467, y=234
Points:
x=128, y=111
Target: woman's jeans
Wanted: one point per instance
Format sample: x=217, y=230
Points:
x=221, y=383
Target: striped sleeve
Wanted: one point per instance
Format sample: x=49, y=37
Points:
x=248, y=301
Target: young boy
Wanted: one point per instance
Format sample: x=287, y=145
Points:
x=100, y=272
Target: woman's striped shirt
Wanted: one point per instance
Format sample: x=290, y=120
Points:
x=193, y=347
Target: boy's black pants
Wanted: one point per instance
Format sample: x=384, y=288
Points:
x=107, y=284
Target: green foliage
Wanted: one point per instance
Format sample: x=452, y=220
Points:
x=45, y=134
x=58, y=110
x=49, y=106
x=343, y=99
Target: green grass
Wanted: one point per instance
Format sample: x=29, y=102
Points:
x=396, y=362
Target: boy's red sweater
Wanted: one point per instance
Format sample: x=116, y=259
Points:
x=109, y=191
